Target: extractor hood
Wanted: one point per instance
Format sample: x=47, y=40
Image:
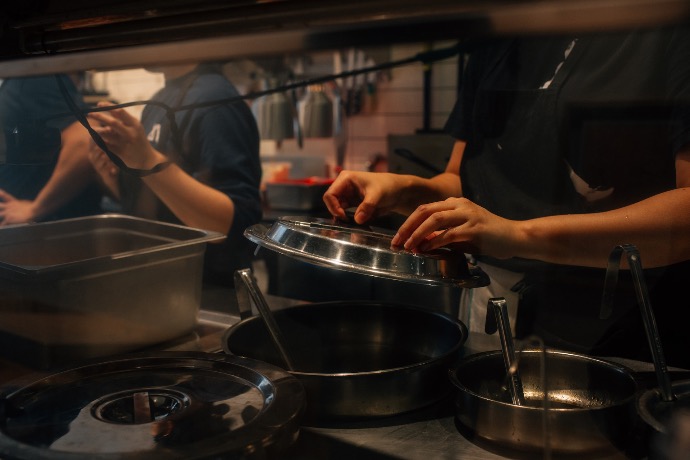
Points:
x=45, y=36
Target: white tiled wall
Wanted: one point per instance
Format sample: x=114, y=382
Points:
x=398, y=107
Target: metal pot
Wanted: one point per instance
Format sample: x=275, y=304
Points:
x=589, y=408
x=358, y=359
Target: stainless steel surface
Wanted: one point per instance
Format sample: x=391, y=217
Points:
x=651, y=330
x=95, y=286
x=658, y=412
x=590, y=402
x=500, y=311
x=359, y=359
x=363, y=250
x=72, y=37
x=428, y=433
x=160, y=405
x=244, y=281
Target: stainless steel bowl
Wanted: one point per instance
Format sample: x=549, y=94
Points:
x=363, y=250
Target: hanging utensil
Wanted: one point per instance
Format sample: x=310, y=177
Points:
x=245, y=280
x=500, y=311
x=647, y=315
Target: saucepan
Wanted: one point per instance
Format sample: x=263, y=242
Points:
x=590, y=405
x=356, y=360
x=543, y=400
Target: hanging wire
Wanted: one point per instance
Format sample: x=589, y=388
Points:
x=81, y=113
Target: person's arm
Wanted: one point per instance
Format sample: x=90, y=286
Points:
x=377, y=194
x=193, y=202
x=659, y=226
x=72, y=173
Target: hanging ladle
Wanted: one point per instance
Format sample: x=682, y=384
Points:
x=247, y=289
x=642, y=294
x=500, y=309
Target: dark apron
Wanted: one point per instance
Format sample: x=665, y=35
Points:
x=518, y=130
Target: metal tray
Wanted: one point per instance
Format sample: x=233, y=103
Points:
x=361, y=249
x=165, y=405
x=94, y=286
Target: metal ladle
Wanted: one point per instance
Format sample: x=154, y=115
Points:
x=247, y=289
x=500, y=309
x=642, y=294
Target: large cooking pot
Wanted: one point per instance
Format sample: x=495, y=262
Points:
x=358, y=359
x=590, y=404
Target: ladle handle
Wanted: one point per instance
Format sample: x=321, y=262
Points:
x=500, y=309
x=645, y=306
x=247, y=281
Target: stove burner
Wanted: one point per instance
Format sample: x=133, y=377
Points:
x=135, y=407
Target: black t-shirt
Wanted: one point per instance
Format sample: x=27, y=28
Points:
x=36, y=109
x=219, y=146
x=622, y=113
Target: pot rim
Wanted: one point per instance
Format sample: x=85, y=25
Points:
x=484, y=355
x=449, y=354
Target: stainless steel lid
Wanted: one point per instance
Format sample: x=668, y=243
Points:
x=167, y=405
x=363, y=250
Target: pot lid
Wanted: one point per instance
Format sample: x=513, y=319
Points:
x=361, y=249
x=168, y=405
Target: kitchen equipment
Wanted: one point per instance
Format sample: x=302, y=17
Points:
x=589, y=402
x=93, y=286
x=316, y=112
x=656, y=406
x=499, y=308
x=246, y=283
x=361, y=249
x=543, y=400
x=275, y=114
x=357, y=359
x=165, y=405
x=297, y=194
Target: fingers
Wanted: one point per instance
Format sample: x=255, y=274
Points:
x=342, y=194
x=4, y=196
x=432, y=225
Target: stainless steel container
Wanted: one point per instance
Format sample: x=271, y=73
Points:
x=94, y=286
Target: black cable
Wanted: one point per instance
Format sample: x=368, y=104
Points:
x=81, y=117
x=425, y=57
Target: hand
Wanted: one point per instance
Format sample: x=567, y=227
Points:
x=106, y=170
x=14, y=211
x=374, y=194
x=125, y=137
x=460, y=224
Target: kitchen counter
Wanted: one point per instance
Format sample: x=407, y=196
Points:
x=428, y=433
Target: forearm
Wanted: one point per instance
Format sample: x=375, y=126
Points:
x=658, y=226
x=194, y=203
x=72, y=173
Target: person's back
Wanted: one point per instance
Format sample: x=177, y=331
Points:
x=218, y=146
x=29, y=117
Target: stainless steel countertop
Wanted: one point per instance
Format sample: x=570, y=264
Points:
x=430, y=433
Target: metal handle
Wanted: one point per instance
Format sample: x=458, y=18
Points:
x=245, y=282
x=645, y=306
x=500, y=309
